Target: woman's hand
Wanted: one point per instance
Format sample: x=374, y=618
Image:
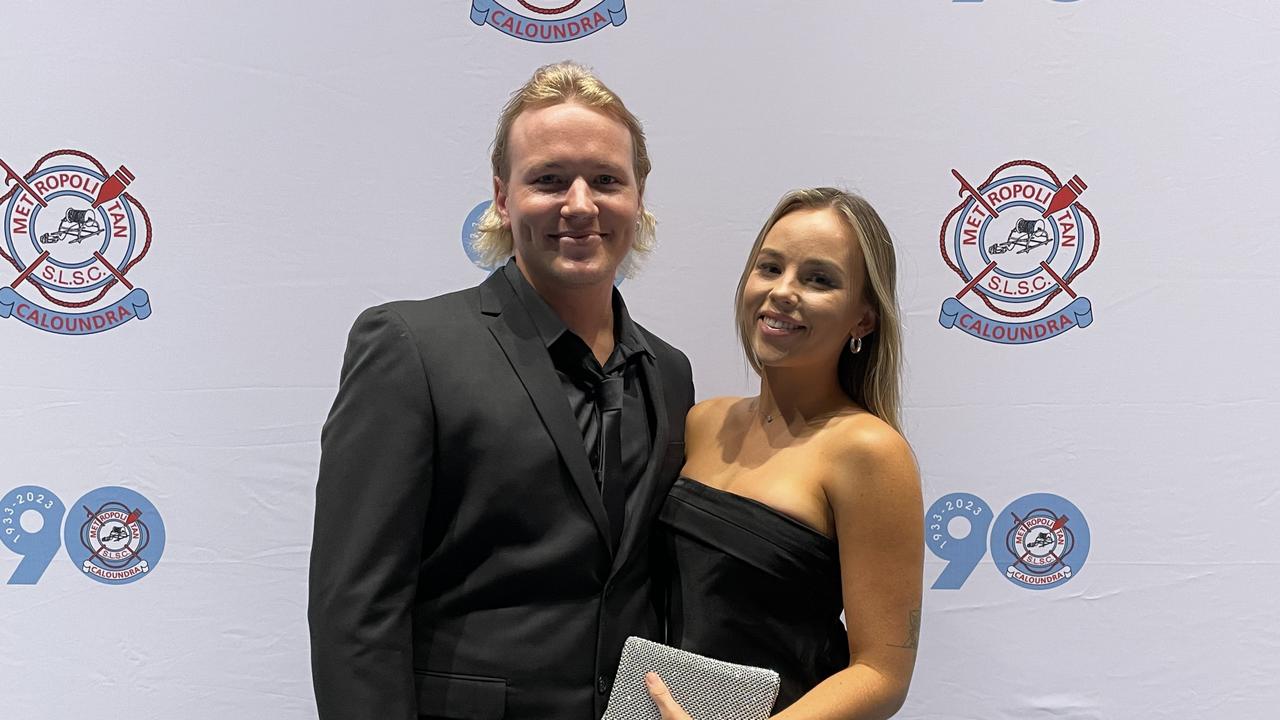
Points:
x=662, y=698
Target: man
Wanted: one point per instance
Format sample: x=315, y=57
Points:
x=495, y=457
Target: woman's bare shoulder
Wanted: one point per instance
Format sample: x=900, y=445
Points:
x=707, y=417
x=868, y=449
x=714, y=410
x=861, y=434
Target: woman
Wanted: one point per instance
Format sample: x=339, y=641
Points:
x=805, y=500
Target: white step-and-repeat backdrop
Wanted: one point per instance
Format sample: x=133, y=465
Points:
x=200, y=197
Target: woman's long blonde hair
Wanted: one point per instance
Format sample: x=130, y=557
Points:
x=871, y=377
x=551, y=85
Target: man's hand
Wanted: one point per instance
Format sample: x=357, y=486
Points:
x=662, y=698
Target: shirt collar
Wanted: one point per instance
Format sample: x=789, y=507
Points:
x=549, y=325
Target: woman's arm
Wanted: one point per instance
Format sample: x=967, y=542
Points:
x=879, y=519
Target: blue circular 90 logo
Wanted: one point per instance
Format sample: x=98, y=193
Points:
x=113, y=534
x=1039, y=541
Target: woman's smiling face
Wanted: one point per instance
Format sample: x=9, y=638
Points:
x=806, y=291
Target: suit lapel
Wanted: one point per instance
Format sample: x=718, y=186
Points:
x=524, y=349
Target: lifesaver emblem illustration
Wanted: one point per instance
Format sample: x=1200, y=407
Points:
x=1045, y=541
x=72, y=234
x=119, y=538
x=1018, y=241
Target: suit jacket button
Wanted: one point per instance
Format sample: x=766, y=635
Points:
x=602, y=684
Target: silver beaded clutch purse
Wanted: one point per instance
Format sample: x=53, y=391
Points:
x=707, y=689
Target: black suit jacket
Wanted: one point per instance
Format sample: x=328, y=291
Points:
x=461, y=565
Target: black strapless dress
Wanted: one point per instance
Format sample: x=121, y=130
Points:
x=750, y=585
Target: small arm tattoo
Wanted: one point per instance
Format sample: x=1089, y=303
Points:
x=913, y=632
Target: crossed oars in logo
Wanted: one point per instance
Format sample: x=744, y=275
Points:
x=1061, y=200
x=110, y=190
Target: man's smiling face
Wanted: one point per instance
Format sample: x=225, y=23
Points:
x=571, y=197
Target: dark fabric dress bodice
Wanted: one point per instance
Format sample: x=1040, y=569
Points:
x=750, y=585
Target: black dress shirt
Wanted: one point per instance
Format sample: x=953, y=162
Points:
x=579, y=373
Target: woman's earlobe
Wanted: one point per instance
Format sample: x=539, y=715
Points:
x=865, y=325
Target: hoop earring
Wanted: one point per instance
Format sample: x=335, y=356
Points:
x=855, y=345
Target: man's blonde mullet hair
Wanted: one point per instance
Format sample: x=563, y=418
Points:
x=552, y=85
x=870, y=378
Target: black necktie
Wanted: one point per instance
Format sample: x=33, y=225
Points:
x=609, y=474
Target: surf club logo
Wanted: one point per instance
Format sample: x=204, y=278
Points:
x=72, y=234
x=553, y=22
x=119, y=538
x=1038, y=542
x=114, y=535
x=1046, y=540
x=1019, y=240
